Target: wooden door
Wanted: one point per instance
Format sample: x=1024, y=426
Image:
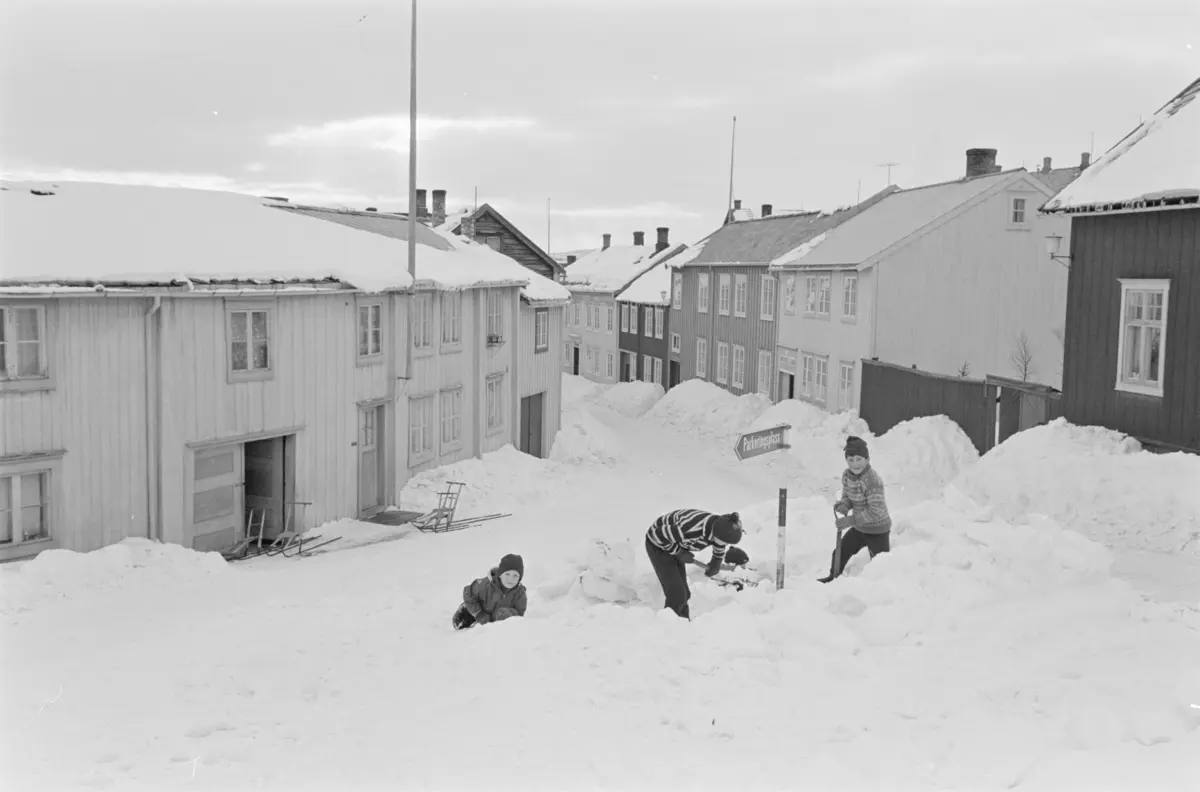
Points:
x=575, y=360
x=531, y=425
x=371, y=469
x=217, y=497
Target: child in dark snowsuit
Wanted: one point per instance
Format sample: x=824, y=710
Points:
x=863, y=509
x=499, y=596
x=672, y=540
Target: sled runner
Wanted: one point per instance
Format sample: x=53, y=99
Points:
x=441, y=519
x=291, y=542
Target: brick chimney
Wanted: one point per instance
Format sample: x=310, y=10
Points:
x=737, y=203
x=1046, y=165
x=981, y=161
x=372, y=209
x=439, y=207
x=466, y=227
x=422, y=210
x=1085, y=159
x=662, y=243
x=607, y=241
x=766, y=210
x=639, y=238
x=571, y=259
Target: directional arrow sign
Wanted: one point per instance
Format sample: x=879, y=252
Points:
x=763, y=441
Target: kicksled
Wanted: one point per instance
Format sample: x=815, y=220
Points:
x=290, y=543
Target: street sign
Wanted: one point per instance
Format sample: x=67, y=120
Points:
x=763, y=441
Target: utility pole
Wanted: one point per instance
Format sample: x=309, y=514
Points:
x=547, y=226
x=412, y=190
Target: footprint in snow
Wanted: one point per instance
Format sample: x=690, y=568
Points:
x=200, y=732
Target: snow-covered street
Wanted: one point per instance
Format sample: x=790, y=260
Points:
x=1037, y=626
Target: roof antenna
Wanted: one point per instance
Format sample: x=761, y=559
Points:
x=476, y=198
x=889, y=166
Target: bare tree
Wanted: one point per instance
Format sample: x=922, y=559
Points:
x=965, y=369
x=1022, y=357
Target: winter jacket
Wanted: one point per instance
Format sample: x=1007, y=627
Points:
x=864, y=494
x=487, y=596
x=687, y=529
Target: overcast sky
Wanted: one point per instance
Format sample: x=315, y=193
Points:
x=618, y=112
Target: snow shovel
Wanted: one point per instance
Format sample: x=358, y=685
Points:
x=837, y=548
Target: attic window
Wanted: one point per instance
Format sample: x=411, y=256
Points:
x=1017, y=215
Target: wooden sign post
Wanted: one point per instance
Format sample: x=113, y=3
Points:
x=757, y=443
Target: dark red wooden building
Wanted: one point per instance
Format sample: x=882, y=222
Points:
x=1132, y=343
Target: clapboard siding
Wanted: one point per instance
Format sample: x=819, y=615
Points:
x=95, y=413
x=640, y=345
x=510, y=245
x=1105, y=248
x=541, y=372
x=603, y=340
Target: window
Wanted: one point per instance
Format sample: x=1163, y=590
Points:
x=1141, y=348
x=451, y=318
x=575, y=314
x=633, y=314
x=821, y=379
x=589, y=360
x=609, y=324
x=739, y=366
x=739, y=295
x=624, y=318
x=849, y=296
x=658, y=371
x=702, y=357
x=495, y=314
x=495, y=403
x=766, y=299
x=846, y=385
x=494, y=243
x=22, y=343
x=370, y=330
x=764, y=373
x=723, y=295
x=451, y=417
x=24, y=507
x=806, y=374
x=649, y=321
x=789, y=295
x=609, y=365
x=659, y=315
x=422, y=322
x=647, y=369
x=677, y=290
x=1017, y=217
x=702, y=293
x=420, y=427
x=541, y=329
x=816, y=298
x=249, y=342
x=810, y=295
x=722, y=362
x=676, y=343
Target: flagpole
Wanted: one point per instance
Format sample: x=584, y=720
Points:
x=412, y=192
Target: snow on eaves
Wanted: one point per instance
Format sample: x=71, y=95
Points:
x=1158, y=161
x=543, y=290
x=609, y=269
x=653, y=287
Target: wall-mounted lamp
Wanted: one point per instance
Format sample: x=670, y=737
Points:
x=1053, y=245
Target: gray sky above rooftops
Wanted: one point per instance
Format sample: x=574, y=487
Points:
x=617, y=111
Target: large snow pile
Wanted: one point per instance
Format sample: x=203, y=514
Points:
x=1095, y=481
x=61, y=575
x=496, y=482
x=577, y=390
x=583, y=440
x=702, y=409
x=631, y=399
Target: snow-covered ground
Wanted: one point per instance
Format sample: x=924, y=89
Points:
x=1037, y=626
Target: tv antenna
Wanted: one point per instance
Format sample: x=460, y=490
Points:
x=889, y=166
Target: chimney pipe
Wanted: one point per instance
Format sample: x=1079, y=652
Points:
x=1085, y=159
x=422, y=211
x=737, y=203
x=639, y=238
x=662, y=243
x=1046, y=165
x=570, y=259
x=372, y=209
x=439, y=207
x=607, y=241
x=981, y=161
x=766, y=210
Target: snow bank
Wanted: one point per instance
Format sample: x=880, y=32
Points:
x=499, y=481
x=577, y=390
x=56, y=575
x=584, y=440
x=699, y=408
x=631, y=399
x=1095, y=481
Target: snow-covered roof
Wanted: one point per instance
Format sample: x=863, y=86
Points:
x=74, y=233
x=892, y=219
x=452, y=220
x=609, y=269
x=653, y=287
x=1158, y=162
x=543, y=290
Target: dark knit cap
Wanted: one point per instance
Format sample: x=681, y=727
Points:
x=856, y=446
x=728, y=528
x=511, y=561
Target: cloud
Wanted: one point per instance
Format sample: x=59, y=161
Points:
x=391, y=132
x=676, y=103
x=659, y=209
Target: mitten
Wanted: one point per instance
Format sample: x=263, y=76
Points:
x=482, y=618
x=713, y=567
x=841, y=508
x=845, y=522
x=686, y=557
x=736, y=556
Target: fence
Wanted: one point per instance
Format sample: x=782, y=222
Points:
x=989, y=411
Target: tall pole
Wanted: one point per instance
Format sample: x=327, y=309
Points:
x=732, y=148
x=547, y=226
x=412, y=192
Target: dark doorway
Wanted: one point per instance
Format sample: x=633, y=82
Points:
x=575, y=360
x=266, y=478
x=787, y=386
x=672, y=374
x=531, y=424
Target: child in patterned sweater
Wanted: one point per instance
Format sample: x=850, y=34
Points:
x=863, y=509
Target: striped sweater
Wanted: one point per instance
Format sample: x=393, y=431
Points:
x=864, y=494
x=686, y=529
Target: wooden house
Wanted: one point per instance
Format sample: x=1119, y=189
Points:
x=591, y=323
x=185, y=358
x=488, y=227
x=947, y=278
x=1133, y=299
x=645, y=338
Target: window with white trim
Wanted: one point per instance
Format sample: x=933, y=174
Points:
x=764, y=373
x=722, y=362
x=702, y=358
x=740, y=289
x=451, y=318
x=648, y=321
x=1142, y=345
x=739, y=366
x=589, y=355
x=609, y=364
x=659, y=316
x=647, y=369
x=422, y=321
x=624, y=318
x=494, y=401
x=702, y=292
x=609, y=324
x=541, y=329
x=677, y=290
x=676, y=343
x=846, y=385
x=370, y=330
x=495, y=314
x=806, y=374
x=420, y=427
x=575, y=311
x=451, y=414
x=723, y=295
x=633, y=316
x=24, y=507
x=821, y=378
x=658, y=371
x=789, y=295
x=849, y=296
x=1017, y=216
x=22, y=342
x=816, y=296
x=249, y=341
x=766, y=298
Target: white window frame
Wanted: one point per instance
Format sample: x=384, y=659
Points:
x=610, y=317
x=807, y=371
x=633, y=319
x=1018, y=215
x=251, y=372
x=589, y=359
x=846, y=384
x=739, y=366
x=609, y=365
x=741, y=295
x=495, y=313
x=723, y=362
x=369, y=332
x=10, y=380
x=810, y=295
x=494, y=403
x=660, y=316
x=702, y=358
x=764, y=372
x=766, y=299
x=658, y=368
x=702, y=292
x=48, y=467
x=648, y=321
x=541, y=330
x=422, y=322
x=824, y=295
x=677, y=290
x=450, y=402
x=624, y=317
x=724, y=297
x=789, y=295
x=575, y=306
x=452, y=324
x=1131, y=286
x=850, y=297
x=421, y=416
x=821, y=378
x=676, y=343
x=647, y=368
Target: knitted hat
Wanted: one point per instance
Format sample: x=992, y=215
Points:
x=856, y=446
x=511, y=562
x=728, y=528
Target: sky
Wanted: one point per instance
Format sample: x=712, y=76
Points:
x=576, y=118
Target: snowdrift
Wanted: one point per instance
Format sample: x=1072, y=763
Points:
x=631, y=399
x=498, y=481
x=584, y=440
x=701, y=409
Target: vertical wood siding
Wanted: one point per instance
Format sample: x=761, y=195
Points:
x=602, y=340
x=1136, y=245
x=95, y=413
x=640, y=345
x=541, y=372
